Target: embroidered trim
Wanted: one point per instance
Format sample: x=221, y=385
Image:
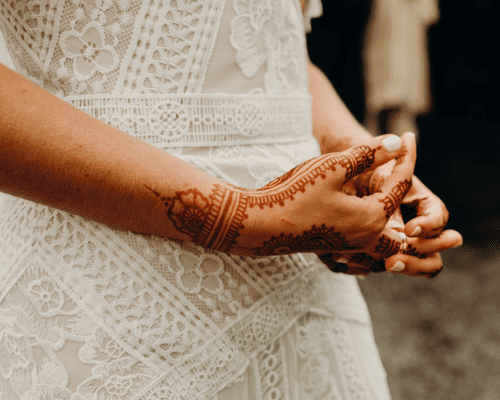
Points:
x=203, y=120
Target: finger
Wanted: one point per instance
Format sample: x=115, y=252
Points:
x=404, y=264
x=387, y=243
x=379, y=176
x=430, y=221
x=341, y=264
x=446, y=240
x=372, y=154
x=428, y=213
x=396, y=222
x=366, y=261
x=399, y=182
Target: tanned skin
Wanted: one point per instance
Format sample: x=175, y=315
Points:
x=56, y=155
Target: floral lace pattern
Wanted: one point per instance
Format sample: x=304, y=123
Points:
x=87, y=312
x=265, y=32
x=73, y=47
x=47, y=323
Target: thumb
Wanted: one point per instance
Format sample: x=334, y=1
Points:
x=369, y=155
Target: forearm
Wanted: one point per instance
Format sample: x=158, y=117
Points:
x=334, y=126
x=54, y=154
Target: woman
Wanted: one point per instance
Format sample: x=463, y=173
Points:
x=213, y=100
x=396, y=63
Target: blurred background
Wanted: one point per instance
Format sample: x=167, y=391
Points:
x=439, y=339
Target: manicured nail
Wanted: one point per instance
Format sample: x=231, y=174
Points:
x=392, y=143
x=417, y=231
x=395, y=224
x=343, y=260
x=398, y=267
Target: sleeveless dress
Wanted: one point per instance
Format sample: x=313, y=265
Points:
x=88, y=312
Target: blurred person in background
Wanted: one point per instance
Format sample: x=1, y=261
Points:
x=396, y=66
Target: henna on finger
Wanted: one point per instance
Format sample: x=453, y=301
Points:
x=333, y=265
x=386, y=246
x=395, y=197
x=367, y=261
x=412, y=251
x=358, y=160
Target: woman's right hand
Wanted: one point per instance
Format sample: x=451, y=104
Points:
x=307, y=209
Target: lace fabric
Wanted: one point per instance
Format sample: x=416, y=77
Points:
x=88, y=312
x=201, y=120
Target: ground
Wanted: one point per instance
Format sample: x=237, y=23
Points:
x=439, y=339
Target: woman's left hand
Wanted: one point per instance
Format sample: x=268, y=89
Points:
x=420, y=256
x=427, y=213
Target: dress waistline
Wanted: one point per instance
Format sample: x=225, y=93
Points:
x=179, y=120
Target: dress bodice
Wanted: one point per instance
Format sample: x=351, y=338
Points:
x=73, y=47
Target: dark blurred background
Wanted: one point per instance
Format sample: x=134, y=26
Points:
x=439, y=339
x=460, y=137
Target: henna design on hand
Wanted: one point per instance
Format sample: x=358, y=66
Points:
x=412, y=251
x=332, y=265
x=387, y=246
x=215, y=221
x=358, y=161
x=295, y=181
x=369, y=262
x=394, y=199
x=311, y=241
x=212, y=222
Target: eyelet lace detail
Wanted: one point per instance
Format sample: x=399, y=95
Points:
x=89, y=312
x=270, y=33
x=74, y=47
x=203, y=120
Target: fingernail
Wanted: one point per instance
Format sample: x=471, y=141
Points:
x=417, y=231
x=392, y=143
x=458, y=244
x=398, y=267
x=343, y=260
x=361, y=276
x=395, y=224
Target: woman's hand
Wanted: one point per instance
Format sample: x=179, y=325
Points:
x=307, y=210
x=421, y=256
x=304, y=210
x=425, y=213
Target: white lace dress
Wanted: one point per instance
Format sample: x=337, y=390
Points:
x=87, y=312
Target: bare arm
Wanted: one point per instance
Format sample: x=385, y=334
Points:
x=56, y=155
x=334, y=126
